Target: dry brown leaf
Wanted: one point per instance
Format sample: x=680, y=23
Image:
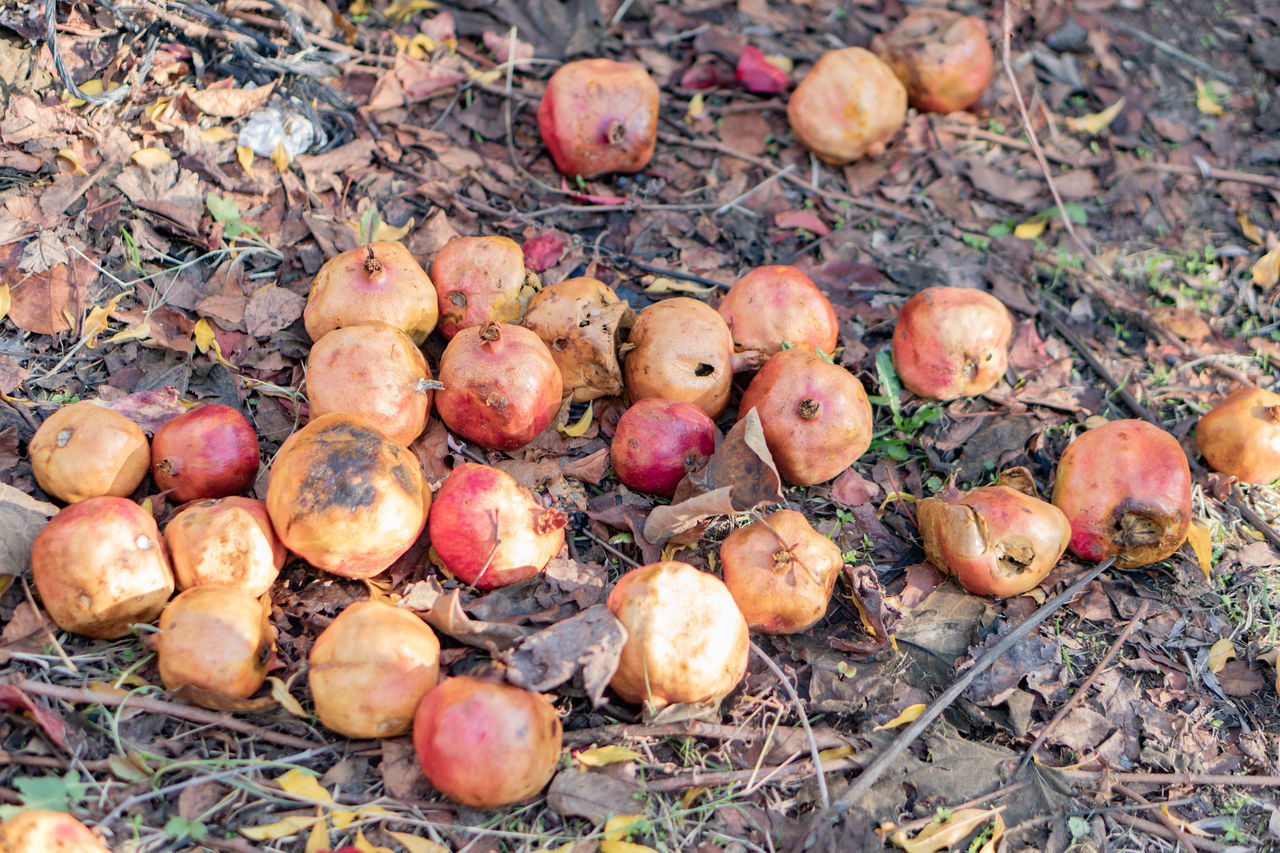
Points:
x=270, y=309
x=21, y=518
x=228, y=102
x=442, y=610
x=588, y=643
x=594, y=796
x=52, y=301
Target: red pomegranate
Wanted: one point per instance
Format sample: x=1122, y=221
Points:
x=773, y=305
x=849, y=106
x=951, y=342
x=681, y=349
x=380, y=281
x=941, y=56
x=657, y=442
x=1241, y=436
x=39, y=831
x=208, y=452
x=599, y=116
x=478, y=280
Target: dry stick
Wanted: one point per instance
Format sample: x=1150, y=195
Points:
x=1169, y=49
x=1019, y=145
x=780, y=773
x=1164, y=832
x=691, y=728
x=1174, y=779
x=1211, y=172
x=804, y=721
x=1183, y=839
x=48, y=632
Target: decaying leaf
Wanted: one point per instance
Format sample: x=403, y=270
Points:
x=21, y=518
x=880, y=615
x=588, y=643
x=594, y=796
x=1266, y=270
x=952, y=830
x=1095, y=123
x=442, y=610
x=12, y=697
x=1219, y=653
x=224, y=101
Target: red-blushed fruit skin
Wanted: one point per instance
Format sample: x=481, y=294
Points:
x=489, y=531
x=941, y=56
x=848, y=106
x=226, y=541
x=1241, y=436
x=656, y=442
x=1125, y=467
x=772, y=305
x=951, y=342
x=484, y=744
x=84, y=450
x=214, y=638
x=208, y=452
x=599, y=116
x=681, y=349
x=815, y=415
x=39, y=831
x=478, y=280
x=393, y=288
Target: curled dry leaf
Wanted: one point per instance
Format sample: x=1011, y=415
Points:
x=588, y=643
x=442, y=609
x=21, y=518
x=880, y=615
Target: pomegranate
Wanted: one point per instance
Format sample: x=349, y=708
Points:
x=380, y=281
x=84, y=450
x=490, y=532
x=579, y=320
x=208, y=452
x=478, y=280
x=773, y=305
x=373, y=370
x=1241, y=436
x=227, y=542
x=849, y=106
x=100, y=567
x=370, y=668
x=951, y=342
x=215, y=638
x=781, y=572
x=658, y=441
x=815, y=415
x=501, y=386
x=995, y=540
x=1125, y=487
x=38, y=831
x=687, y=640
x=599, y=116
x=681, y=349
x=941, y=56
x=346, y=499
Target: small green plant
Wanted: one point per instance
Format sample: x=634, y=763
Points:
x=227, y=212
x=975, y=241
x=182, y=829
x=894, y=441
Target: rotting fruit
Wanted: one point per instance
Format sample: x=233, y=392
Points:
x=378, y=281
x=599, y=116
x=773, y=305
x=1125, y=487
x=210, y=451
x=657, y=442
x=41, y=831
x=951, y=342
x=941, y=56
x=1241, y=436
x=84, y=450
x=849, y=106
x=216, y=639
x=581, y=321
x=225, y=541
x=479, y=280
x=485, y=744
x=681, y=349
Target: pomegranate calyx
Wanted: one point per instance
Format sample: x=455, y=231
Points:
x=490, y=333
x=809, y=408
x=372, y=264
x=1272, y=413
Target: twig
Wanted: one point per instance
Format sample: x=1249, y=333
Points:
x=49, y=762
x=1169, y=49
x=1019, y=145
x=1210, y=173
x=1182, y=839
x=629, y=560
x=921, y=823
x=670, y=273
x=776, y=176
x=1218, y=780
x=1258, y=522
x=823, y=795
x=780, y=773
x=1164, y=832
x=44, y=626
x=113, y=95
x=689, y=728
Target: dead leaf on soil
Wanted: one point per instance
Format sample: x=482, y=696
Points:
x=224, y=101
x=270, y=309
x=880, y=615
x=402, y=775
x=21, y=518
x=594, y=796
x=590, y=643
x=11, y=697
x=150, y=409
x=52, y=301
x=443, y=611
x=853, y=489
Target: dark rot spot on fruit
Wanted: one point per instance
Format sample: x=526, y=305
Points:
x=404, y=479
x=704, y=369
x=337, y=479
x=458, y=298
x=559, y=344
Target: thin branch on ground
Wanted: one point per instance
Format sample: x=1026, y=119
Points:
x=823, y=796
x=1164, y=832
x=1183, y=840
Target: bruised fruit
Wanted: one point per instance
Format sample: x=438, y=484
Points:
x=657, y=442
x=214, y=638
x=345, y=498
x=226, y=542
x=579, y=320
x=687, y=640
x=994, y=540
x=38, y=831
x=1241, y=436
x=370, y=668
x=681, y=349
x=951, y=342
x=208, y=452
x=378, y=281
x=100, y=567
x=484, y=744
x=373, y=370
x=1125, y=487
x=815, y=415
x=599, y=116
x=781, y=572
x=942, y=57
x=490, y=532
x=478, y=280
x=773, y=305
x=84, y=450
x=501, y=386
x=849, y=106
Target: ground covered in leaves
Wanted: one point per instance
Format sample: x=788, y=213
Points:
x=151, y=258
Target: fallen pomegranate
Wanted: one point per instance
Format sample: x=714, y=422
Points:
x=100, y=567
x=599, y=116
x=773, y=305
x=781, y=572
x=501, y=386
x=681, y=349
x=227, y=542
x=994, y=540
x=951, y=342
x=345, y=498
x=490, y=532
x=580, y=321
x=657, y=442
x=1125, y=487
x=478, y=280
x=849, y=106
x=1241, y=436
x=815, y=415
x=214, y=638
x=39, y=831
x=942, y=57
x=484, y=744
x=208, y=452
x=84, y=450
x=379, y=281
x=687, y=641
x=370, y=668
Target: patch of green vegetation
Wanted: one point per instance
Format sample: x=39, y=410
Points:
x=895, y=441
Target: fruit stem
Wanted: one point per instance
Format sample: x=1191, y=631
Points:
x=372, y=266
x=490, y=332
x=809, y=408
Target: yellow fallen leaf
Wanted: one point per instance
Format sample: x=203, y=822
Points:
x=1189, y=828
x=1095, y=123
x=779, y=61
x=1266, y=270
x=244, y=156
x=1200, y=541
x=318, y=838
x=909, y=715
x=835, y=753
x=697, y=106
x=662, y=284
x=488, y=77
x=362, y=844
x=1219, y=653
x=421, y=46
x=619, y=826
x=150, y=158
x=602, y=755
x=390, y=232
x=1207, y=99
x=358, y=8
x=1248, y=229
x=576, y=430
x=670, y=550
x=214, y=135
x=157, y=111
x=624, y=847
x=280, y=158
x=946, y=833
x=89, y=87
x=73, y=158
x=291, y=825
x=281, y=694
x=5, y=301
x=206, y=342
x=342, y=818
x=300, y=783
x=97, y=320
x=1031, y=229
x=414, y=844
x=692, y=794
x=399, y=11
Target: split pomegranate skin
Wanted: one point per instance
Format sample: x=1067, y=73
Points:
x=599, y=116
x=582, y=322
x=225, y=541
x=941, y=56
x=1241, y=436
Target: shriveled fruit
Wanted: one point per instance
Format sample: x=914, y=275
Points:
x=484, y=744
x=781, y=572
x=681, y=349
x=40, y=831
x=849, y=106
x=208, y=452
x=489, y=531
x=501, y=386
x=373, y=370
x=370, y=668
x=942, y=57
x=1125, y=487
x=995, y=540
x=226, y=542
x=378, y=281
x=951, y=342
x=84, y=450
x=815, y=415
x=579, y=320
x=215, y=638
x=599, y=116
x=687, y=641
x=478, y=280
x=345, y=498
x=1241, y=436
x=773, y=305
x=658, y=441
